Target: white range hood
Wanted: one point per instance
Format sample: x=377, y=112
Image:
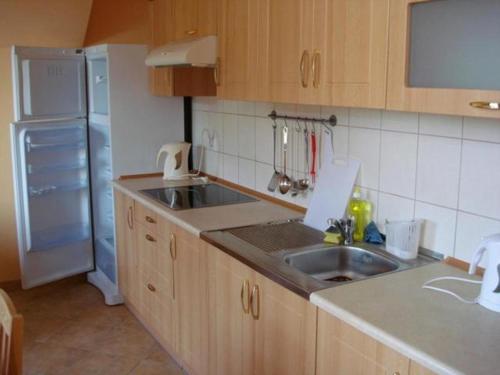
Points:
x=201, y=52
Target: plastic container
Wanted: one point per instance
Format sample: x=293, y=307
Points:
x=361, y=209
x=403, y=238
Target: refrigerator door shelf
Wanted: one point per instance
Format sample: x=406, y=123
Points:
x=54, y=168
x=48, y=189
x=63, y=235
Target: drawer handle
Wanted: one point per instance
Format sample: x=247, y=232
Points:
x=173, y=246
x=191, y=32
x=151, y=287
x=245, y=301
x=217, y=72
x=316, y=68
x=149, y=219
x=255, y=302
x=494, y=106
x=304, y=68
x=130, y=217
x=150, y=238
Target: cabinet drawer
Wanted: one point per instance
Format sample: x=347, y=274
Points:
x=155, y=290
x=156, y=224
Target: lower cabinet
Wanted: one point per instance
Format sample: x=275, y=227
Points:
x=256, y=326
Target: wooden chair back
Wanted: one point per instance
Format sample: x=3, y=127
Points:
x=11, y=337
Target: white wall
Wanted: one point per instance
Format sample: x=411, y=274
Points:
x=444, y=169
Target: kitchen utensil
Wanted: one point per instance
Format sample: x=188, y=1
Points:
x=284, y=181
x=304, y=182
x=273, y=183
x=313, y=153
x=490, y=288
x=403, y=238
x=331, y=193
x=176, y=162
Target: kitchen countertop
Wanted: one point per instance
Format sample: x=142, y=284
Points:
x=203, y=219
x=434, y=329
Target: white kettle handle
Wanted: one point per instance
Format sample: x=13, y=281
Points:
x=162, y=150
x=477, y=258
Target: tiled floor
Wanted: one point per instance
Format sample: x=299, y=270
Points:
x=69, y=330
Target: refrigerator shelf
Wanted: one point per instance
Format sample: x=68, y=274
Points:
x=42, y=169
x=48, y=189
x=59, y=236
x=54, y=146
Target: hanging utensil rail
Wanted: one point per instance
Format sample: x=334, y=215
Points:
x=331, y=121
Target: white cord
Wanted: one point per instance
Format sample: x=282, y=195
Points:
x=427, y=286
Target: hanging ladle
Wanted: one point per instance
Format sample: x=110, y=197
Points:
x=284, y=181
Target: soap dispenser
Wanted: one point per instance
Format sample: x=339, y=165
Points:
x=361, y=209
x=490, y=288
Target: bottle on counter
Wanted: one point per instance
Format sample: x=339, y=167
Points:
x=361, y=209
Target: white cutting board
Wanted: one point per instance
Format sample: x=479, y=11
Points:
x=332, y=192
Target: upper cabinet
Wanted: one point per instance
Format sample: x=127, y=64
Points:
x=194, y=18
x=243, y=52
x=331, y=52
x=442, y=57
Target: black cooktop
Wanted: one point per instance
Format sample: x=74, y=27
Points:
x=197, y=196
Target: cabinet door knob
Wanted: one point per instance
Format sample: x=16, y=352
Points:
x=149, y=219
x=255, y=302
x=245, y=296
x=494, y=106
x=150, y=238
x=151, y=287
x=304, y=68
x=173, y=246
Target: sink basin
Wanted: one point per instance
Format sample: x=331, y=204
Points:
x=340, y=263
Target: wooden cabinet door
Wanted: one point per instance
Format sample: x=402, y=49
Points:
x=417, y=369
x=342, y=349
x=194, y=18
x=191, y=300
x=401, y=97
x=352, y=53
x=289, y=43
x=243, y=49
x=285, y=330
x=128, y=278
x=231, y=327
x=161, y=24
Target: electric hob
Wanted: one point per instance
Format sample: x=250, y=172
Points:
x=197, y=196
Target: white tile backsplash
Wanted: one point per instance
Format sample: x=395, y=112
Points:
x=412, y=165
x=398, y=163
x=438, y=170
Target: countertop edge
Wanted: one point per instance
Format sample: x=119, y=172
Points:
x=162, y=212
x=383, y=337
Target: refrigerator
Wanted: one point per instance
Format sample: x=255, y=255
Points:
x=83, y=117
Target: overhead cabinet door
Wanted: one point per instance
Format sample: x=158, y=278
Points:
x=49, y=83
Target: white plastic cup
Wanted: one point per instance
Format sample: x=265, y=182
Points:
x=403, y=238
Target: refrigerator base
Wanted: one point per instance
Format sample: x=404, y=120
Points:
x=111, y=294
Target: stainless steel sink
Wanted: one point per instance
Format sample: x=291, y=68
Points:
x=340, y=263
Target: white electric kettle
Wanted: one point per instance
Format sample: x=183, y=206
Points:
x=490, y=288
x=176, y=162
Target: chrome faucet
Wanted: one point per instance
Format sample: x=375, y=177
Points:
x=346, y=228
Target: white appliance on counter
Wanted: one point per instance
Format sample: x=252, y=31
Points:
x=66, y=149
x=175, y=166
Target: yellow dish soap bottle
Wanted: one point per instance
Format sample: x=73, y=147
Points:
x=361, y=209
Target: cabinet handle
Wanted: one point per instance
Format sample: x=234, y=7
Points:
x=316, y=68
x=149, y=219
x=151, y=287
x=255, y=302
x=130, y=216
x=217, y=72
x=173, y=246
x=396, y=373
x=245, y=302
x=191, y=32
x=495, y=106
x=150, y=238
x=304, y=68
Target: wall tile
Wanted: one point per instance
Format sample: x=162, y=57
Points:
x=263, y=173
x=246, y=137
x=482, y=129
x=308, y=110
x=446, y=126
x=365, y=118
x=262, y=109
x=246, y=108
x=230, y=167
x=391, y=207
x=341, y=113
x=200, y=122
x=230, y=137
x=340, y=141
x=216, y=128
x=438, y=170
x=246, y=173
x=285, y=108
x=213, y=163
x=400, y=121
x=230, y=106
x=438, y=229
x=470, y=230
x=480, y=179
x=398, y=163
x=364, y=145
x=264, y=140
